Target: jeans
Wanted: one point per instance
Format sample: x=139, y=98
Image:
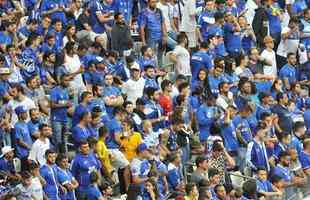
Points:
x=241, y=162
x=158, y=50
x=58, y=130
x=185, y=154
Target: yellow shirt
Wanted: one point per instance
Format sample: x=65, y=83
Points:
x=103, y=154
x=130, y=144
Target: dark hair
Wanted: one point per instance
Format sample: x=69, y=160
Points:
x=199, y=160
x=261, y=126
x=43, y=125
x=126, y=103
x=183, y=86
x=92, y=141
x=49, y=151
x=164, y=84
x=118, y=110
x=150, y=91
x=275, y=179
x=60, y=158
x=103, y=131
x=144, y=49
x=298, y=125
x=204, y=45
x=290, y=54
x=280, y=96
x=25, y=175
x=31, y=39
x=260, y=169
x=221, y=85
x=85, y=94
x=218, y=16
x=83, y=142
x=148, y=67
x=229, y=61
x=264, y=115
x=217, y=60
x=283, y=154
x=181, y=38
x=116, y=15
x=217, y=146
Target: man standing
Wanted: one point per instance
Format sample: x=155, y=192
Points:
x=288, y=72
x=153, y=29
x=120, y=35
x=189, y=24
x=41, y=145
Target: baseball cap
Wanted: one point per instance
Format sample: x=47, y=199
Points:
x=20, y=109
x=135, y=66
x=5, y=150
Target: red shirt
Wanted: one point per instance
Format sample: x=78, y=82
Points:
x=167, y=104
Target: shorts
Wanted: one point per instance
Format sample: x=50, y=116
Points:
x=119, y=160
x=192, y=39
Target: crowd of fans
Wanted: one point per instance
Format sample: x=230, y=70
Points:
x=154, y=99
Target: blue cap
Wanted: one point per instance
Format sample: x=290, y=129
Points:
x=20, y=109
x=307, y=102
x=142, y=147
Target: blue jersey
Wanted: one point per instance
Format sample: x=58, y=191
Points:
x=256, y=155
x=78, y=112
x=214, y=83
x=229, y=136
x=5, y=39
x=243, y=125
x=304, y=160
x=205, y=117
x=64, y=177
x=115, y=128
x=144, y=62
x=80, y=134
x=153, y=111
x=140, y=168
x=22, y=133
x=232, y=39
x=47, y=5
x=125, y=7
x=297, y=144
x=33, y=127
x=59, y=95
x=30, y=61
x=274, y=23
x=151, y=82
x=6, y=165
x=289, y=72
x=263, y=186
x=81, y=167
x=174, y=177
x=93, y=192
x=205, y=21
x=200, y=60
x=111, y=91
x=49, y=173
x=152, y=22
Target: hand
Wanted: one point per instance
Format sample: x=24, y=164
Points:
x=69, y=104
x=62, y=189
x=164, y=40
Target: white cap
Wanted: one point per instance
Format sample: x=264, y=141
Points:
x=135, y=65
x=5, y=150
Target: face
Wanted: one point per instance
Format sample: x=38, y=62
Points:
x=47, y=131
x=109, y=80
x=194, y=192
x=149, y=52
x=262, y=175
x=242, y=21
x=152, y=4
x=216, y=179
x=96, y=121
x=27, y=182
x=129, y=108
x=9, y=156
x=121, y=19
x=202, y=75
x=24, y=116
x=219, y=70
x=35, y=115
x=11, y=28
x=210, y=5
x=51, y=41
x=150, y=72
x=247, y=88
x=225, y=89
x=270, y=45
x=72, y=30
x=88, y=118
x=65, y=81
x=156, y=95
x=204, y=165
x=149, y=186
x=46, y=22
x=147, y=126
x=279, y=85
x=292, y=60
x=221, y=192
x=285, y=99
x=13, y=92
x=51, y=158
x=84, y=149
x=254, y=54
x=64, y=163
x=286, y=161
x=58, y=26
x=245, y=61
x=293, y=154
x=135, y=73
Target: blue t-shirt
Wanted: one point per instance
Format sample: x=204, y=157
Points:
x=205, y=117
x=244, y=126
x=64, y=176
x=81, y=167
x=304, y=160
x=80, y=134
x=22, y=133
x=289, y=72
x=49, y=173
x=59, y=95
x=232, y=39
x=93, y=192
x=114, y=127
x=152, y=21
x=125, y=7
x=205, y=21
x=47, y=5
x=200, y=60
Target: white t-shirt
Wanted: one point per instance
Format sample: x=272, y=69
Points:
x=73, y=64
x=250, y=8
x=167, y=11
x=38, y=149
x=27, y=103
x=133, y=89
x=183, y=61
x=270, y=55
x=288, y=45
x=36, y=188
x=188, y=23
